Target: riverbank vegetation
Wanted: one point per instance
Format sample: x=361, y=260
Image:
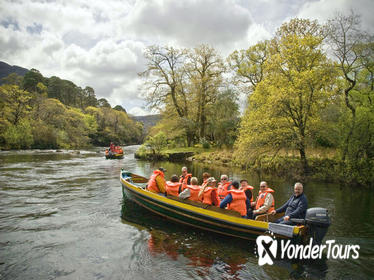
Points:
x=308, y=88
x=40, y=112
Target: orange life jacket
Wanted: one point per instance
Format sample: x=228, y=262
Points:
x=207, y=195
x=261, y=199
x=251, y=189
x=185, y=179
x=152, y=184
x=194, y=191
x=223, y=190
x=172, y=188
x=238, y=201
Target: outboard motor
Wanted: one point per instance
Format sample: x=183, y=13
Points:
x=317, y=221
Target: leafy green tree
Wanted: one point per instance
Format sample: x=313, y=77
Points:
x=15, y=103
x=299, y=80
x=31, y=80
x=19, y=136
x=249, y=64
x=156, y=143
x=13, y=79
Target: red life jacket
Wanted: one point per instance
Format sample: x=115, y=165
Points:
x=238, y=201
x=223, y=190
x=249, y=188
x=172, y=188
x=184, y=180
x=261, y=199
x=152, y=184
x=194, y=191
x=207, y=195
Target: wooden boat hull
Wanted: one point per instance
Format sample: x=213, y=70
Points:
x=113, y=156
x=194, y=216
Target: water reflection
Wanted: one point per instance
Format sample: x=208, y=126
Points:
x=210, y=255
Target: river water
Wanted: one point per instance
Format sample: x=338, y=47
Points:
x=62, y=216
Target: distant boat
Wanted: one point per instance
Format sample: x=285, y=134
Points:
x=116, y=154
x=222, y=221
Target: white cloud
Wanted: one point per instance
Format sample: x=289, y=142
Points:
x=322, y=10
x=101, y=43
x=137, y=111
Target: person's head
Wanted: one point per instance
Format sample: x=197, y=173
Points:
x=263, y=186
x=243, y=183
x=206, y=175
x=224, y=178
x=184, y=170
x=174, y=178
x=298, y=189
x=235, y=184
x=194, y=181
x=211, y=181
x=162, y=169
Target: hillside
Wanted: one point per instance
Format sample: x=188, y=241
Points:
x=6, y=69
x=148, y=121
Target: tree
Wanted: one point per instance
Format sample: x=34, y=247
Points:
x=31, y=80
x=103, y=103
x=165, y=83
x=249, y=64
x=205, y=69
x=13, y=79
x=15, y=102
x=299, y=80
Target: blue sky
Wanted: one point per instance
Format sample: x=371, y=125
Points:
x=101, y=43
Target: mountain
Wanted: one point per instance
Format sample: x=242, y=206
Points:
x=6, y=69
x=148, y=121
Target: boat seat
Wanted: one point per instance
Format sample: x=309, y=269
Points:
x=205, y=206
x=269, y=217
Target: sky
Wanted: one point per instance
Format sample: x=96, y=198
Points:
x=101, y=43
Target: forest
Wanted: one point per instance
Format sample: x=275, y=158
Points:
x=308, y=91
x=52, y=113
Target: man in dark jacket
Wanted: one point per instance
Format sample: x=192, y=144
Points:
x=295, y=207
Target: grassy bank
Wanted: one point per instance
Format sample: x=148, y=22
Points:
x=324, y=164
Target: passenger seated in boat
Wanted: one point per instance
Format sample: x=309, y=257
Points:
x=223, y=186
x=264, y=203
x=156, y=183
x=173, y=187
x=192, y=191
x=185, y=178
x=236, y=200
x=206, y=175
x=208, y=193
x=248, y=190
x=295, y=207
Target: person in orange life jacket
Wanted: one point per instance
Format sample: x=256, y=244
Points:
x=173, y=187
x=185, y=178
x=295, y=207
x=248, y=190
x=208, y=193
x=157, y=183
x=192, y=191
x=205, y=177
x=264, y=202
x=236, y=200
x=223, y=187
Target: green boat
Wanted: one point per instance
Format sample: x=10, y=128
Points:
x=207, y=217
